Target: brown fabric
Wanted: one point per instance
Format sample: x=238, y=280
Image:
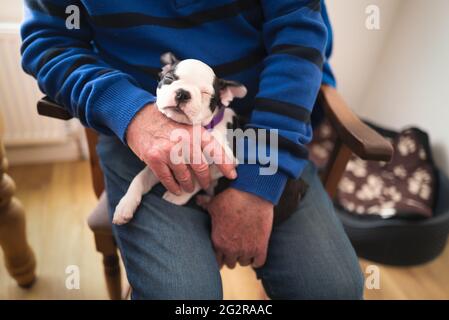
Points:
x=323, y=142
x=403, y=187
x=99, y=220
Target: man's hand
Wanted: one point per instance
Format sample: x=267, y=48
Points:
x=241, y=227
x=148, y=136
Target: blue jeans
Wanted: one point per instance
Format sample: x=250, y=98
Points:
x=168, y=254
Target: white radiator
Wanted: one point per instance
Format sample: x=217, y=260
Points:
x=29, y=137
x=18, y=96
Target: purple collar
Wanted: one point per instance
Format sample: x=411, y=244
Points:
x=216, y=119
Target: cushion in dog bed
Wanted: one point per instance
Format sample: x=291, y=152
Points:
x=400, y=241
x=405, y=186
x=396, y=233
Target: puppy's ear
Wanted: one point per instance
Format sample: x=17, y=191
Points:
x=229, y=90
x=168, y=60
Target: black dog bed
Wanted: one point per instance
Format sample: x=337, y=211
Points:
x=401, y=242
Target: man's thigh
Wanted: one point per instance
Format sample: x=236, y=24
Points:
x=166, y=248
x=309, y=255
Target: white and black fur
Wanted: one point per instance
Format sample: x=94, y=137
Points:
x=190, y=93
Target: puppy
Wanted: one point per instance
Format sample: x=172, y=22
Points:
x=188, y=93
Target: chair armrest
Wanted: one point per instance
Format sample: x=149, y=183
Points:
x=356, y=135
x=48, y=108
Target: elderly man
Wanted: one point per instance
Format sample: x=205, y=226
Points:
x=105, y=74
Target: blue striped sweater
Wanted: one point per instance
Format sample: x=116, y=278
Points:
x=106, y=71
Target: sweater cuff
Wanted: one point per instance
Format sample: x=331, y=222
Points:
x=117, y=106
x=268, y=187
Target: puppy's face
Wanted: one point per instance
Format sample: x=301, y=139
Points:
x=190, y=93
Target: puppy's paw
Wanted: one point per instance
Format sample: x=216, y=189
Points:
x=125, y=209
x=178, y=200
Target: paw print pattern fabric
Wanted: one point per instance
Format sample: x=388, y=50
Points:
x=404, y=187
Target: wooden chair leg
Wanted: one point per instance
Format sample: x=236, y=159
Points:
x=335, y=168
x=19, y=257
x=105, y=244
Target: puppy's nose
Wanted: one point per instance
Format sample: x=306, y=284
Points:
x=182, y=95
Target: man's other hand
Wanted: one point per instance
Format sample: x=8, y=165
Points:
x=241, y=227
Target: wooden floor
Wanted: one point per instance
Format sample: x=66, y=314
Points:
x=58, y=198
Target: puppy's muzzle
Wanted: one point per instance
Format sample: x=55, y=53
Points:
x=182, y=95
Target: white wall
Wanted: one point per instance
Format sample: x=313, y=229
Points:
x=396, y=76
x=30, y=139
x=357, y=49
x=410, y=83
x=11, y=10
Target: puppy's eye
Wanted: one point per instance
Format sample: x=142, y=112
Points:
x=168, y=80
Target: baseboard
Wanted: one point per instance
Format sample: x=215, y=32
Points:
x=47, y=153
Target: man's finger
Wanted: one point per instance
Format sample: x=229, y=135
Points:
x=182, y=176
x=215, y=152
x=260, y=258
x=200, y=168
x=245, y=260
x=230, y=260
x=165, y=176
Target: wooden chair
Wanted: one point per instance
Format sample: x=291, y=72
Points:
x=19, y=257
x=353, y=137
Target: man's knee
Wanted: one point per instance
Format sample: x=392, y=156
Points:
x=347, y=285
x=181, y=288
x=336, y=289
x=342, y=282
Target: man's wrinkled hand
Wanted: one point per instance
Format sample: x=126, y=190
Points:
x=241, y=227
x=148, y=136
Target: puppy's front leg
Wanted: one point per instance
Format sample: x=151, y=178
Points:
x=141, y=184
x=183, y=198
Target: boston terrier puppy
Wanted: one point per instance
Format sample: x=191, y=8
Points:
x=189, y=92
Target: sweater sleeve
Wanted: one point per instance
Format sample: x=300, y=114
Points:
x=295, y=37
x=71, y=73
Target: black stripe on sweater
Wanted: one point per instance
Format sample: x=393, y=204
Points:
x=283, y=108
x=48, y=55
x=314, y=5
x=76, y=64
x=52, y=53
x=296, y=150
x=132, y=19
x=221, y=70
x=74, y=43
x=236, y=66
x=46, y=7
x=306, y=53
